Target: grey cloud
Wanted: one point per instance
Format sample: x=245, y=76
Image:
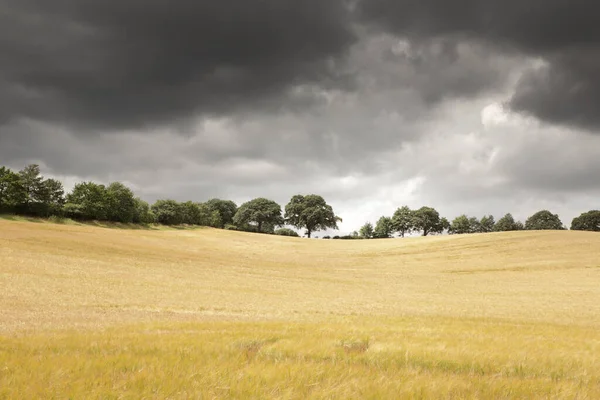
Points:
x=118, y=64
x=564, y=34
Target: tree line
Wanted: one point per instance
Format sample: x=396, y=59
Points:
x=27, y=192
x=427, y=221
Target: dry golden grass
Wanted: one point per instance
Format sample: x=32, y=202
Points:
x=108, y=313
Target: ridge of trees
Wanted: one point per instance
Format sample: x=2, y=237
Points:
x=27, y=192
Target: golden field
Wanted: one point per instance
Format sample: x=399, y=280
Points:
x=96, y=312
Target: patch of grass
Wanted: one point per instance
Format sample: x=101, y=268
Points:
x=243, y=360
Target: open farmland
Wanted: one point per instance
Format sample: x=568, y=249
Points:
x=88, y=312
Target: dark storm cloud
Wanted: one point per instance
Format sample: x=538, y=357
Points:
x=132, y=63
x=565, y=34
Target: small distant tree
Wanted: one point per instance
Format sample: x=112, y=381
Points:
x=31, y=183
x=474, y=225
x=11, y=190
x=225, y=209
x=12, y=193
x=262, y=213
x=49, y=198
x=195, y=214
x=427, y=220
x=383, y=228
x=487, y=224
x=88, y=201
x=366, y=231
x=544, y=220
x=508, y=223
x=120, y=203
x=168, y=212
x=588, y=221
x=310, y=212
x=403, y=221
x=460, y=225
x=287, y=232
x=143, y=215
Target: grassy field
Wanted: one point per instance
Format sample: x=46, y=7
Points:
x=92, y=312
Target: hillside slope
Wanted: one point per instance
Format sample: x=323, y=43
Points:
x=56, y=276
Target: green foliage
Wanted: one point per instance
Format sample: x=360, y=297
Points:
x=544, y=220
x=287, y=232
x=49, y=198
x=384, y=228
x=366, y=231
x=143, y=215
x=460, y=225
x=310, y=212
x=260, y=215
x=12, y=194
x=168, y=212
x=427, y=220
x=87, y=201
x=402, y=221
x=463, y=225
x=588, y=221
x=120, y=203
x=225, y=211
x=31, y=183
x=487, y=224
x=507, y=223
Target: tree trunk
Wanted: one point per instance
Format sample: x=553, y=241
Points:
x=259, y=226
x=308, y=233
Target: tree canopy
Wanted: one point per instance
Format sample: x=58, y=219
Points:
x=310, y=212
x=588, y=221
x=427, y=220
x=366, y=231
x=225, y=210
x=262, y=213
x=544, y=220
x=402, y=221
x=508, y=223
x=383, y=228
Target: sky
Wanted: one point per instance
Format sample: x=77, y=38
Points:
x=471, y=107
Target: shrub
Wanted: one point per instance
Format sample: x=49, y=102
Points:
x=286, y=232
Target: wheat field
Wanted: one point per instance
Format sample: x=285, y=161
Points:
x=99, y=312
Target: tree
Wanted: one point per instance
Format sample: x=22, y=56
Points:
x=487, y=224
x=226, y=210
x=194, y=214
x=507, y=223
x=402, y=221
x=460, y=225
x=519, y=226
x=49, y=198
x=383, y=228
x=588, y=221
x=121, y=204
x=88, y=201
x=366, y=231
x=310, y=212
x=428, y=221
x=444, y=225
x=12, y=193
x=543, y=220
x=474, y=225
x=265, y=214
x=143, y=215
x=168, y=212
x=32, y=185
